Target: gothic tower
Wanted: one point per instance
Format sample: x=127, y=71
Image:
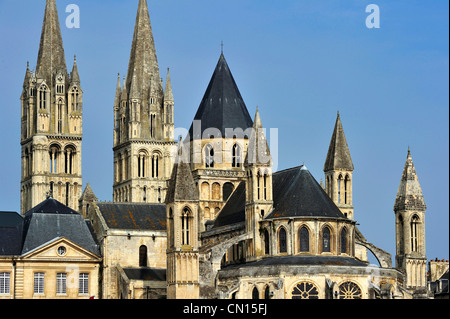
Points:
x=51, y=118
x=182, y=232
x=217, y=142
x=409, y=211
x=338, y=170
x=143, y=122
x=259, y=201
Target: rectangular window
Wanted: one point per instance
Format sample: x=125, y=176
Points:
x=39, y=283
x=61, y=283
x=4, y=283
x=83, y=284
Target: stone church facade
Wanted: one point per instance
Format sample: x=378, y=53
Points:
x=205, y=217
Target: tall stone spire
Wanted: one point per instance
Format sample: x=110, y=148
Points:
x=74, y=75
x=143, y=60
x=409, y=195
x=51, y=57
x=338, y=156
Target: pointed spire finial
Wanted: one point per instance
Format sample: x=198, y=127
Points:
x=221, y=47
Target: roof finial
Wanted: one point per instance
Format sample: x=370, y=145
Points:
x=221, y=47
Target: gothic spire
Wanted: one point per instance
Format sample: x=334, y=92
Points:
x=181, y=184
x=258, y=148
x=74, y=76
x=51, y=51
x=118, y=92
x=143, y=61
x=168, y=94
x=409, y=195
x=338, y=156
x=27, y=76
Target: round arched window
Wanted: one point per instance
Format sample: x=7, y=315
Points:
x=349, y=290
x=305, y=290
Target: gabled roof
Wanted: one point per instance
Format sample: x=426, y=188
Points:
x=133, y=216
x=409, y=194
x=222, y=105
x=338, y=156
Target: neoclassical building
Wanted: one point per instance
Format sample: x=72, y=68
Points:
x=205, y=217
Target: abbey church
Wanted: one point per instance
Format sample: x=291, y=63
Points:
x=201, y=217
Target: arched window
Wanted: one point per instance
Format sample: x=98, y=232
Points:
x=142, y=156
x=155, y=165
x=53, y=158
x=339, y=188
x=209, y=156
x=75, y=98
x=265, y=185
x=401, y=235
x=305, y=290
x=69, y=154
x=349, y=290
x=282, y=240
x=144, y=194
x=414, y=233
x=60, y=116
x=236, y=156
x=346, y=189
x=304, y=239
x=344, y=240
x=267, y=292
x=185, y=217
x=266, y=242
x=43, y=97
x=143, y=256
x=255, y=293
x=258, y=183
x=326, y=240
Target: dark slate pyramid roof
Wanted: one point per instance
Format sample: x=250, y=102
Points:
x=11, y=225
x=222, y=105
x=297, y=194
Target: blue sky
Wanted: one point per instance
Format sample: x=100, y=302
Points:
x=299, y=61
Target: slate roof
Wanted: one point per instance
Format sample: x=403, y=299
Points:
x=11, y=226
x=222, y=105
x=134, y=216
x=51, y=219
x=295, y=194
x=302, y=260
x=234, y=210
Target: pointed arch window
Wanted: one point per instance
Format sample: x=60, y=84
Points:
x=304, y=239
x=414, y=233
x=142, y=164
x=346, y=189
x=326, y=240
x=75, y=98
x=255, y=293
x=344, y=240
x=209, y=156
x=265, y=185
x=60, y=116
x=282, y=240
x=185, y=226
x=236, y=156
x=266, y=242
x=43, y=97
x=339, y=188
x=258, y=184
